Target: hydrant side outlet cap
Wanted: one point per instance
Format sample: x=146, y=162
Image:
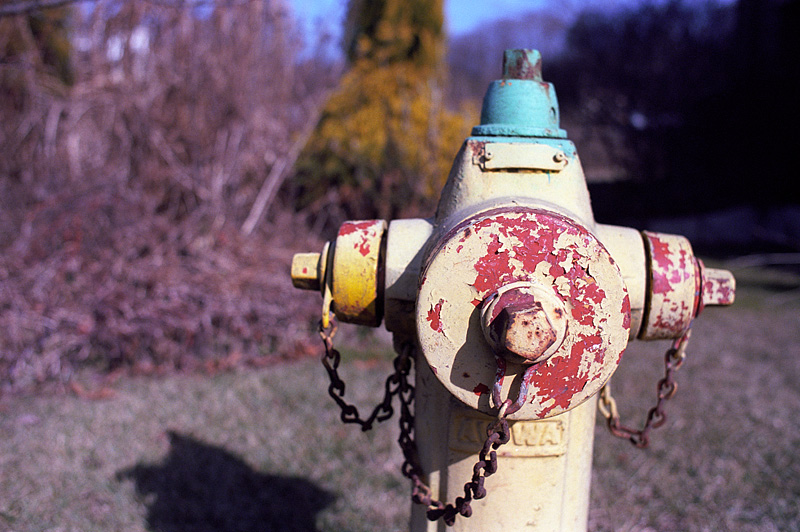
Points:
x=357, y=272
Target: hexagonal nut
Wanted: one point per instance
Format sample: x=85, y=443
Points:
x=305, y=271
x=524, y=323
x=528, y=332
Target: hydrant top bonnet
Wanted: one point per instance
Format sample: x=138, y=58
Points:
x=521, y=104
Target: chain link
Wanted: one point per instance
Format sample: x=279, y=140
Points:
x=665, y=390
x=397, y=384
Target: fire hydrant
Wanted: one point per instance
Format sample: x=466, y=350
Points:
x=518, y=307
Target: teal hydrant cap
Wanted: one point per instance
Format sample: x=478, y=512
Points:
x=521, y=104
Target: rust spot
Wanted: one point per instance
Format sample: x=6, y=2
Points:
x=477, y=147
x=521, y=68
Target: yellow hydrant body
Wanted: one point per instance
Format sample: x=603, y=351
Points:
x=520, y=306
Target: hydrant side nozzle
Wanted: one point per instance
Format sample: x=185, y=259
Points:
x=349, y=272
x=719, y=287
x=306, y=271
x=357, y=272
x=679, y=286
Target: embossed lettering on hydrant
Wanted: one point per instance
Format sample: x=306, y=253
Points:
x=528, y=438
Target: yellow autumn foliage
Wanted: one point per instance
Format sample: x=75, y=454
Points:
x=386, y=138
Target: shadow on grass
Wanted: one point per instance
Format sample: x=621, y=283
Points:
x=199, y=488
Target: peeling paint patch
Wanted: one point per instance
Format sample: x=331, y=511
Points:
x=435, y=316
x=356, y=271
x=674, y=282
x=366, y=230
x=719, y=287
x=626, y=311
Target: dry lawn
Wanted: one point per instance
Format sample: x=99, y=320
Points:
x=256, y=450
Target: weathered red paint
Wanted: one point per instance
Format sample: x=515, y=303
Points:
x=367, y=231
x=717, y=288
x=626, y=312
x=662, y=264
x=477, y=147
x=562, y=379
x=514, y=299
x=434, y=316
x=674, y=271
x=528, y=245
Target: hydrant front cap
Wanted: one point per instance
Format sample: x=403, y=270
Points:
x=497, y=249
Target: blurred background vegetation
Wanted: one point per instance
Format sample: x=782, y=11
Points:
x=161, y=160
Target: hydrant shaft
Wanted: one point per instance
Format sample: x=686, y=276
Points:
x=543, y=473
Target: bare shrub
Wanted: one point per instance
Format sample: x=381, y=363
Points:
x=122, y=194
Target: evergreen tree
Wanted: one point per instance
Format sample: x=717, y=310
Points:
x=386, y=140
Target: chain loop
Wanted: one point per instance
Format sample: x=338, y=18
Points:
x=665, y=390
x=336, y=388
x=397, y=384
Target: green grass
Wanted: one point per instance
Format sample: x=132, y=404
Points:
x=264, y=449
x=245, y=451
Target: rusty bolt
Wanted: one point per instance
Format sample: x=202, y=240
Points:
x=524, y=323
x=527, y=332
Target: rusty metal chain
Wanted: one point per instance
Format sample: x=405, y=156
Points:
x=349, y=413
x=397, y=384
x=666, y=388
x=497, y=433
